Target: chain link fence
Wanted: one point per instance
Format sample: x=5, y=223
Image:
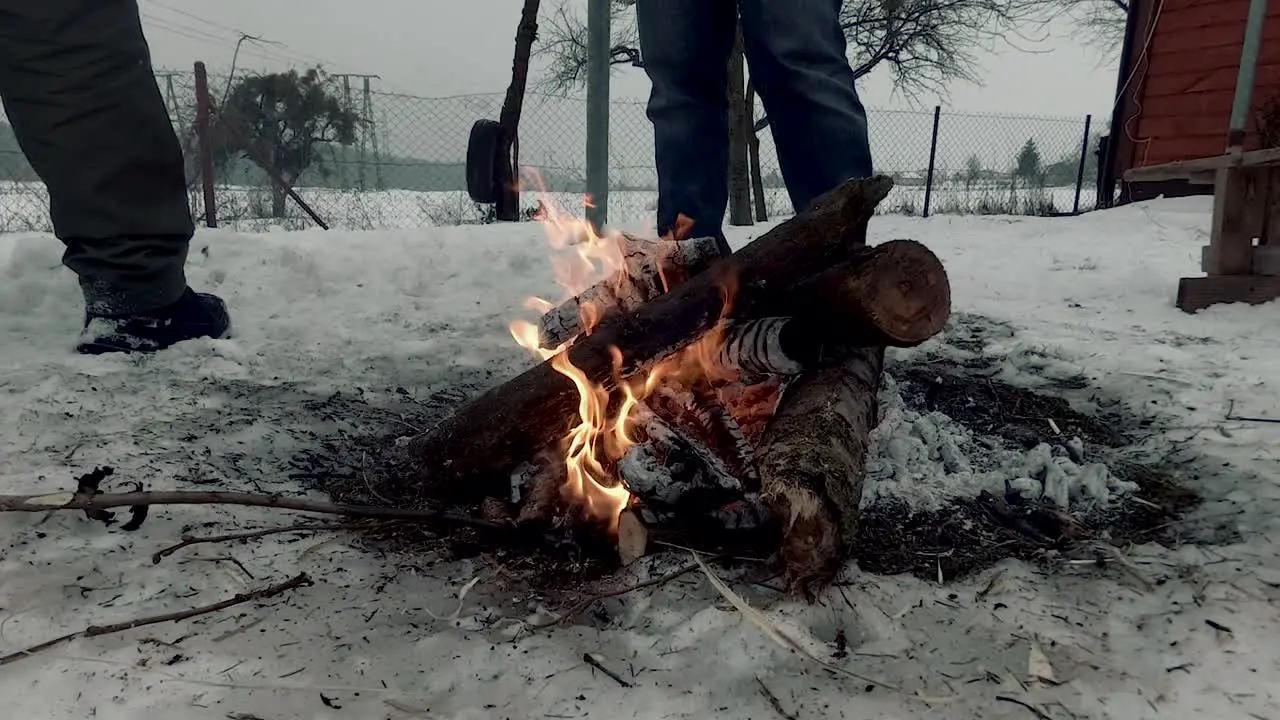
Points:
x=403, y=162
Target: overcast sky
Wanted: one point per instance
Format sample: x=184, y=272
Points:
x=449, y=47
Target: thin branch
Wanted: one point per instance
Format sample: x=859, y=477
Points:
x=189, y=540
x=98, y=630
x=774, y=702
x=1040, y=714
x=72, y=501
x=591, y=660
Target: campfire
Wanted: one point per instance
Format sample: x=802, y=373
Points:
x=680, y=388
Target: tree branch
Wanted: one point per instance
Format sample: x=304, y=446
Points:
x=98, y=630
x=103, y=501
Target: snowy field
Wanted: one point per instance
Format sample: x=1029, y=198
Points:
x=345, y=334
x=24, y=206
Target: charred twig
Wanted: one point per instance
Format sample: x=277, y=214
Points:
x=1231, y=406
x=774, y=702
x=73, y=501
x=591, y=660
x=588, y=602
x=189, y=540
x=97, y=630
x=1035, y=710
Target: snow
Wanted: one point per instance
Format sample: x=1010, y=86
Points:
x=348, y=332
x=248, y=208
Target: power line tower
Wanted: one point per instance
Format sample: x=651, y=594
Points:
x=367, y=133
x=171, y=97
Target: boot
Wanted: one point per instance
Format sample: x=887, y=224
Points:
x=194, y=315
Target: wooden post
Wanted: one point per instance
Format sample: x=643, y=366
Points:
x=205, y=145
x=933, y=158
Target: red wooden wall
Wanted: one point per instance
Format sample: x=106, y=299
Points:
x=1178, y=104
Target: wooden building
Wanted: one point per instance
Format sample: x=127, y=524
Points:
x=1198, y=111
x=1176, y=85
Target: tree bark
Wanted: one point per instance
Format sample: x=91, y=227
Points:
x=753, y=154
x=471, y=453
x=739, y=125
x=507, y=209
x=811, y=461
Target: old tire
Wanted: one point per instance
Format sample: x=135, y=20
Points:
x=484, y=162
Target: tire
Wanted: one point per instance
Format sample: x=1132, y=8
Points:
x=484, y=161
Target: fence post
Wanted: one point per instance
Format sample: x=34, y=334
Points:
x=1084, y=153
x=205, y=145
x=933, y=157
x=597, y=150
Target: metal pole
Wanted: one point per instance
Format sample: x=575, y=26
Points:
x=1084, y=153
x=933, y=156
x=346, y=99
x=372, y=129
x=597, y=210
x=1244, y=79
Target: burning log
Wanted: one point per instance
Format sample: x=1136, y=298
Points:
x=471, y=453
x=811, y=462
x=649, y=268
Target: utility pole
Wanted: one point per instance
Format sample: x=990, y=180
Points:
x=598, y=35
x=366, y=119
x=170, y=95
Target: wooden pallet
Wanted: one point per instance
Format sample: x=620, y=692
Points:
x=1242, y=260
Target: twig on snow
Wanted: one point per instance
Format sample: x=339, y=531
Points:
x=1231, y=406
x=97, y=630
x=1035, y=710
x=588, y=602
x=774, y=702
x=771, y=631
x=1129, y=568
x=189, y=540
x=80, y=501
x=594, y=662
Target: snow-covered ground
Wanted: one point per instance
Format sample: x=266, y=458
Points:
x=349, y=332
x=24, y=205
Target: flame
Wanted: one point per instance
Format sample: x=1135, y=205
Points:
x=604, y=432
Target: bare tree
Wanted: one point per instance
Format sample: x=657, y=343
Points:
x=925, y=43
x=564, y=45
x=1102, y=20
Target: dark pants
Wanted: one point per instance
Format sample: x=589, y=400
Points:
x=79, y=91
x=796, y=53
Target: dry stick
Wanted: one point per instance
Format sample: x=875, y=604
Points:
x=97, y=630
x=1231, y=416
x=774, y=702
x=1035, y=710
x=588, y=602
x=189, y=540
x=591, y=660
x=71, y=501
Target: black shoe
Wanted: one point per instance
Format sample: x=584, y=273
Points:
x=194, y=315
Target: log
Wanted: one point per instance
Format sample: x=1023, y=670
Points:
x=649, y=268
x=897, y=292
x=472, y=452
x=811, y=461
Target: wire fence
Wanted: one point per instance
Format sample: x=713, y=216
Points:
x=402, y=164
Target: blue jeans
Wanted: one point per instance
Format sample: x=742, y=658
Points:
x=796, y=53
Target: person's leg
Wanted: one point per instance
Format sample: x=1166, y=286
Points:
x=80, y=94
x=685, y=46
x=796, y=52
x=79, y=91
